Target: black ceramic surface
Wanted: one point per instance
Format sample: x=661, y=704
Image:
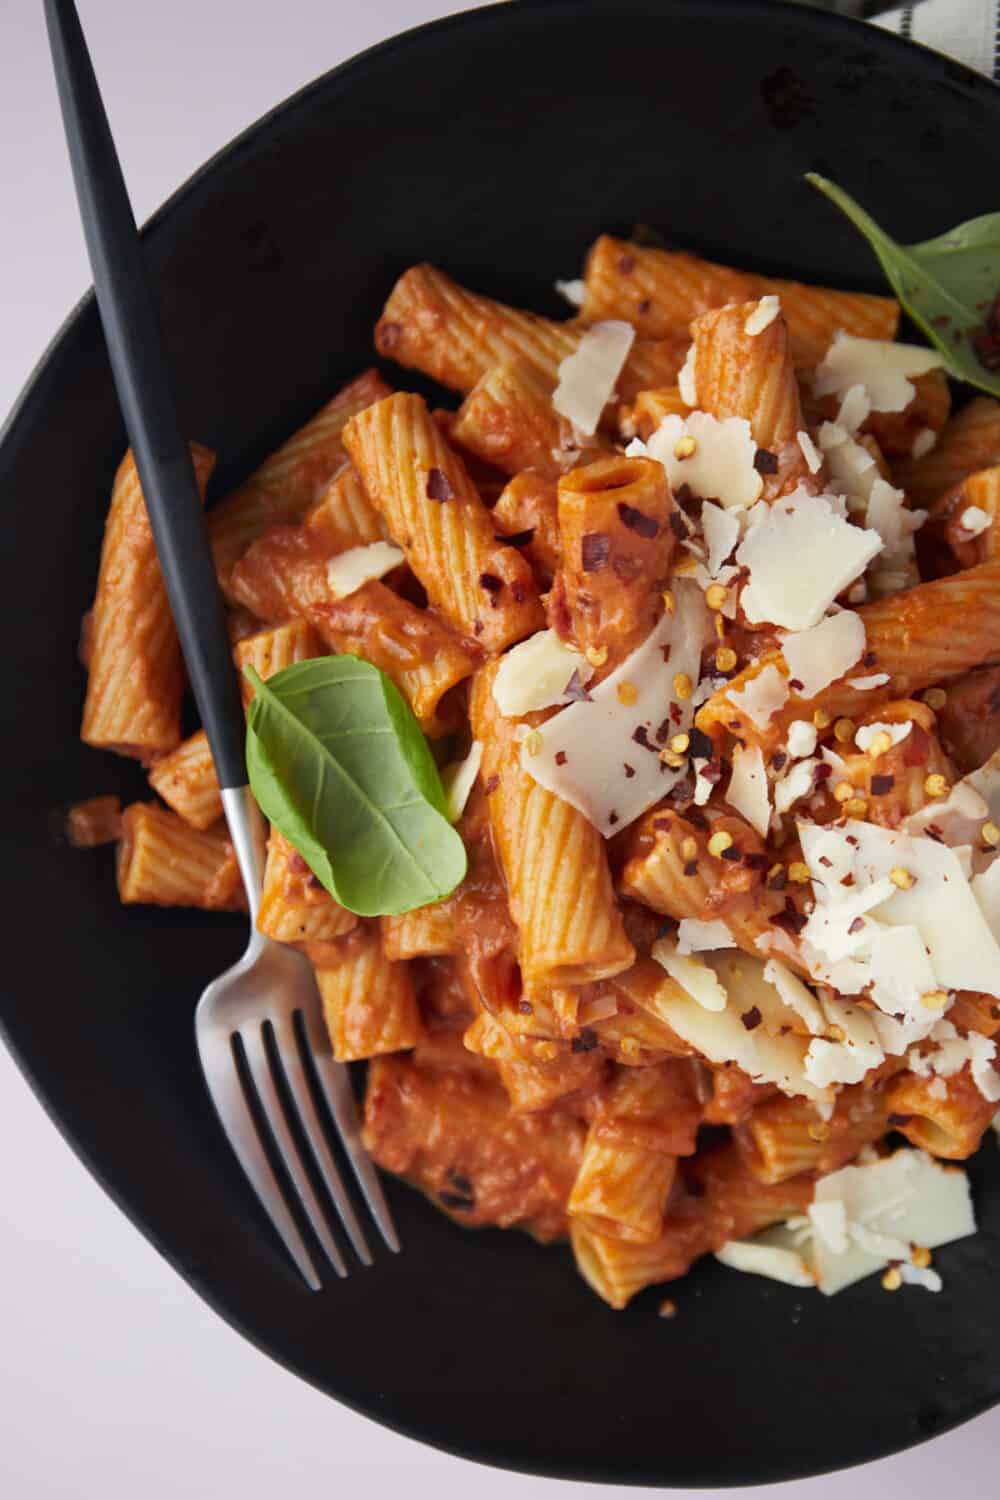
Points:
x=497, y=145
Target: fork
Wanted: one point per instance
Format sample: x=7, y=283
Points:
x=259, y=1027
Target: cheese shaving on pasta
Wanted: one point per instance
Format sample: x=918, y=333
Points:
x=350, y=570
x=818, y=656
x=714, y=459
x=885, y=370
x=588, y=376
x=535, y=674
x=800, y=557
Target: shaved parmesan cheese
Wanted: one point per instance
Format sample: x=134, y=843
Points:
x=802, y=737
x=923, y=1276
x=901, y=1200
x=887, y=514
x=359, y=565
x=924, y=441
x=587, y=377
x=866, y=684
x=957, y=819
x=800, y=558
x=694, y=936
x=721, y=467
x=829, y=1223
x=762, y=696
x=721, y=530
x=583, y=751
x=819, y=656
x=763, y=316
x=986, y=889
x=814, y=460
x=761, y=1259
x=685, y=380
x=951, y=1053
x=795, y=784
x=748, y=791
x=974, y=520
x=882, y=367
x=852, y=469
x=796, y=995
x=846, y=1062
x=854, y=409
x=459, y=778
x=693, y=976
x=897, y=732
x=535, y=674
x=575, y=292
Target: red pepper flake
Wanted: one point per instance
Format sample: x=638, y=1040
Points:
x=712, y=774
x=852, y=840
x=439, y=486
x=823, y=772
x=857, y=925
x=933, y=832
x=594, y=550
x=585, y=1042
x=612, y=817
x=699, y=744
x=847, y=880
x=663, y=825
x=691, y=868
x=477, y=626
x=662, y=731
x=697, y=819
x=492, y=584
x=675, y=709
x=790, y=920
x=869, y=659
x=526, y=1008
x=516, y=538
x=755, y=861
x=778, y=880
x=626, y=264
x=677, y=526
x=827, y=862
x=644, y=307
x=492, y=782
x=629, y=770
x=575, y=690
x=641, y=737
x=732, y=854
x=638, y=521
x=795, y=684
x=882, y=784
x=457, y=1201
x=752, y=1018
x=560, y=757
x=765, y=462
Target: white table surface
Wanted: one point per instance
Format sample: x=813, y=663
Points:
x=115, y=1380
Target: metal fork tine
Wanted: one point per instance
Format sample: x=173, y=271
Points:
x=336, y=1084
x=260, y=1071
x=231, y=1106
x=294, y=1071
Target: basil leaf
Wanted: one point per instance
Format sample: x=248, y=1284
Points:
x=338, y=764
x=948, y=285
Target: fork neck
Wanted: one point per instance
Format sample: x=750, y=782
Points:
x=248, y=831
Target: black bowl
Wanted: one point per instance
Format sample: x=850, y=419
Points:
x=497, y=144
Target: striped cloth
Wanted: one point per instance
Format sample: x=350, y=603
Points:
x=967, y=30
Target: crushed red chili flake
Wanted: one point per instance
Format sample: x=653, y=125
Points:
x=699, y=744
x=796, y=684
x=629, y=770
x=677, y=525
x=526, y=1008
x=752, y=1018
x=823, y=772
x=847, y=880
x=675, y=708
x=641, y=737
x=778, y=880
x=477, y=626
x=697, y=819
x=626, y=264
x=560, y=757
x=439, y=486
x=869, y=659
x=638, y=521
x=313, y=883
x=516, y=538
x=662, y=731
x=644, y=307
x=779, y=760
x=626, y=569
x=491, y=583
x=575, y=690
x=691, y=868
x=585, y=1042
x=857, y=925
x=685, y=496
x=852, y=840
x=612, y=817
x=594, y=550
x=663, y=825
x=732, y=854
x=492, y=782
x=458, y=1201
x=765, y=462
x=790, y=920
x=755, y=861
x=933, y=832
x=828, y=863
x=713, y=774
x=882, y=784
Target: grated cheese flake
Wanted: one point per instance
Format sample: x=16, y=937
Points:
x=867, y=684
x=758, y=1258
x=685, y=379
x=721, y=468
x=575, y=291
x=802, y=737
x=535, y=674
x=884, y=369
x=974, y=520
x=800, y=557
x=818, y=656
x=763, y=315
x=864, y=736
x=694, y=936
x=721, y=529
x=692, y=974
x=459, y=778
x=814, y=459
x=360, y=565
x=762, y=696
x=587, y=377
x=748, y=789
x=855, y=409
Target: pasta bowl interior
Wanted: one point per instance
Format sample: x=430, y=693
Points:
x=358, y=254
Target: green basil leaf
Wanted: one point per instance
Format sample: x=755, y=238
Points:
x=948, y=285
x=338, y=764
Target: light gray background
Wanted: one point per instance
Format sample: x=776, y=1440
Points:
x=114, y=1379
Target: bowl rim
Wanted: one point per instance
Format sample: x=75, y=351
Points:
x=821, y=22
